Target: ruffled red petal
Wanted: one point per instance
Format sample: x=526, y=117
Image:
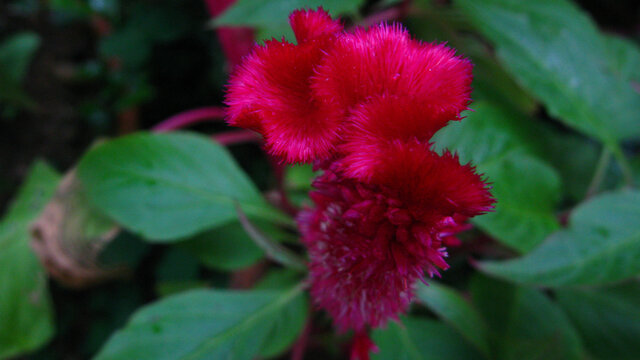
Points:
x=385, y=60
x=270, y=93
x=429, y=183
x=310, y=25
x=373, y=125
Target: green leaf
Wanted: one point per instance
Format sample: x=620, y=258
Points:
x=420, y=339
x=526, y=190
x=491, y=82
x=525, y=324
x=600, y=246
x=26, y=320
x=457, y=312
x=147, y=25
x=556, y=52
x=498, y=143
x=227, y=247
x=574, y=157
x=271, y=18
x=608, y=319
x=169, y=186
x=16, y=53
x=272, y=249
x=211, y=324
x=279, y=278
x=625, y=58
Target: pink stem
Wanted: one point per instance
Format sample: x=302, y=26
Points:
x=190, y=117
x=236, y=137
x=299, y=348
x=397, y=12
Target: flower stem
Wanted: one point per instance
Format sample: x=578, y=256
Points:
x=190, y=117
x=300, y=346
x=235, y=137
x=621, y=159
x=272, y=249
x=601, y=170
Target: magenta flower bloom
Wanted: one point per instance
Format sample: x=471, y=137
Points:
x=363, y=106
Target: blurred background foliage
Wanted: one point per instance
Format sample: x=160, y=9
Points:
x=556, y=122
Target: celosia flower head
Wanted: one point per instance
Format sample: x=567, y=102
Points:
x=363, y=106
x=369, y=242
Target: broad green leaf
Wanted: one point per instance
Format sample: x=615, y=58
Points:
x=282, y=279
x=226, y=247
x=607, y=318
x=16, y=53
x=491, y=82
x=556, y=52
x=574, y=157
x=420, y=339
x=498, y=143
x=271, y=18
x=457, y=312
x=211, y=324
x=601, y=245
x=625, y=58
x=26, y=320
x=279, y=278
x=525, y=324
x=526, y=190
x=169, y=186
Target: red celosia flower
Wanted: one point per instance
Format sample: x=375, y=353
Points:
x=364, y=106
x=369, y=242
x=270, y=92
x=384, y=60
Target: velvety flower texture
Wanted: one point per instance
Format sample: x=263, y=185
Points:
x=363, y=106
x=368, y=243
x=271, y=92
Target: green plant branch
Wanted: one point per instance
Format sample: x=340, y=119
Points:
x=601, y=170
x=622, y=161
x=272, y=249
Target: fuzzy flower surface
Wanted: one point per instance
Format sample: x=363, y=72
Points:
x=363, y=106
x=370, y=242
x=271, y=92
